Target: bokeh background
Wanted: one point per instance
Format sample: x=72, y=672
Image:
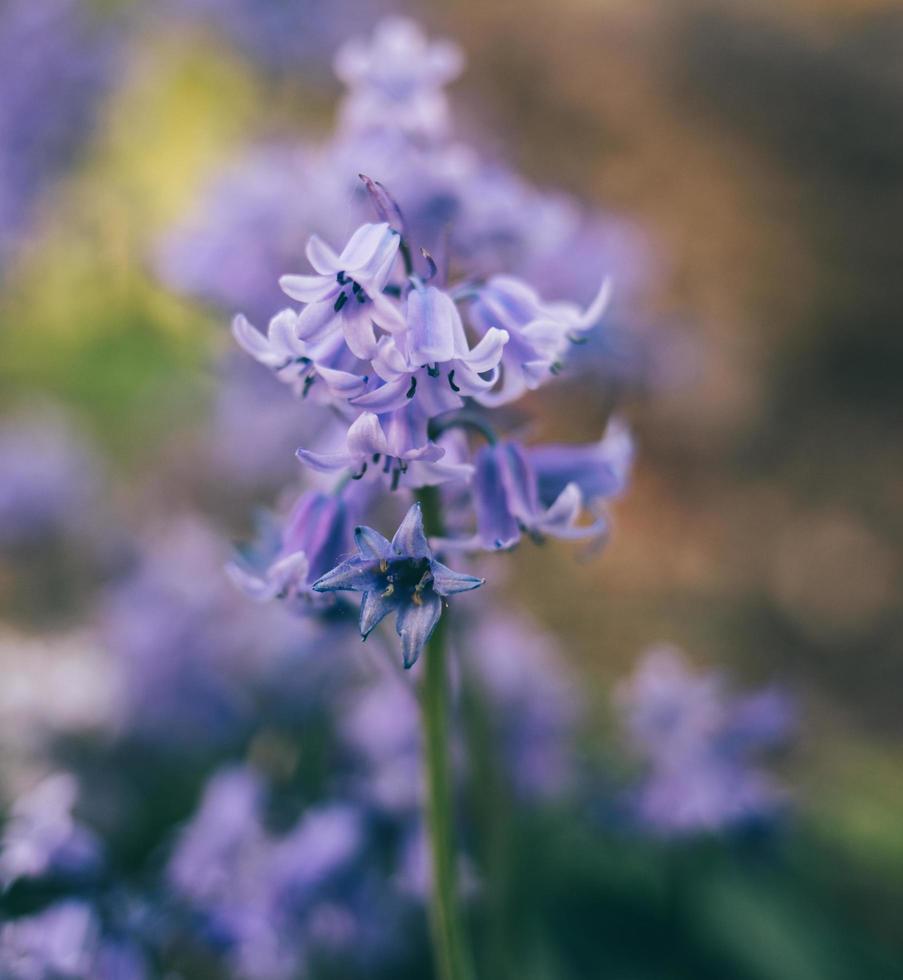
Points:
x=750, y=154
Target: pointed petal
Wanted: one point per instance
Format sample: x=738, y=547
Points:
x=358, y=329
x=343, y=384
x=560, y=520
x=389, y=397
x=315, y=321
x=415, y=625
x=488, y=352
x=370, y=543
x=352, y=575
x=252, y=341
x=309, y=289
x=387, y=313
x=594, y=312
x=322, y=257
x=374, y=609
x=366, y=437
x=325, y=462
x=423, y=473
x=448, y=582
x=409, y=539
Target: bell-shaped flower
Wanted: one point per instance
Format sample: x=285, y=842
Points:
x=346, y=294
x=386, y=445
x=432, y=360
x=399, y=576
x=283, y=562
x=299, y=363
x=600, y=469
x=540, y=333
x=395, y=80
x=507, y=503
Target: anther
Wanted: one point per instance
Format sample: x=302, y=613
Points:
x=340, y=301
x=410, y=392
x=451, y=382
x=358, y=476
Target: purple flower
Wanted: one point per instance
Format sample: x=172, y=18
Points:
x=400, y=576
x=42, y=837
x=346, y=294
x=699, y=744
x=539, y=333
x=507, y=503
x=261, y=895
x=601, y=469
x=396, y=79
x=283, y=564
x=431, y=359
x=388, y=445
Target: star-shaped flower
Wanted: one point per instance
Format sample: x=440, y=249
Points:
x=399, y=576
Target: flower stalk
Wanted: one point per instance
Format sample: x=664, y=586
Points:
x=449, y=943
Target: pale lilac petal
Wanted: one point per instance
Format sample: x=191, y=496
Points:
x=488, y=352
x=409, y=538
x=366, y=437
x=560, y=519
x=387, y=398
x=415, y=624
x=595, y=311
x=316, y=320
x=358, y=329
x=326, y=462
x=343, y=384
x=427, y=474
x=387, y=313
x=322, y=257
x=433, y=321
x=309, y=289
x=253, y=342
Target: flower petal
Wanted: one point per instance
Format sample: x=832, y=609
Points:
x=519, y=481
x=358, y=329
x=448, y=582
x=366, y=437
x=409, y=539
x=496, y=525
x=315, y=321
x=488, y=352
x=253, y=342
x=415, y=624
x=374, y=609
x=370, y=543
x=326, y=462
x=352, y=575
x=434, y=325
x=388, y=397
x=309, y=289
x=322, y=257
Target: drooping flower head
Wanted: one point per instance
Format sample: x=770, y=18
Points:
x=399, y=576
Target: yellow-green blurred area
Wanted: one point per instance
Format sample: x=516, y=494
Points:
x=760, y=146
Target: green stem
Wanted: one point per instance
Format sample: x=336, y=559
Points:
x=452, y=958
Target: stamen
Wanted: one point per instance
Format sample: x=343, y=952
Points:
x=396, y=477
x=556, y=368
x=451, y=382
x=308, y=381
x=389, y=591
x=410, y=392
x=341, y=300
x=433, y=371
x=375, y=458
x=341, y=279
x=357, y=476
x=383, y=566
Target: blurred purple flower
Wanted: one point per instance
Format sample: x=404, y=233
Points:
x=50, y=480
x=57, y=59
x=42, y=837
x=66, y=942
x=191, y=659
x=264, y=897
x=533, y=704
x=400, y=576
x=699, y=744
x=397, y=79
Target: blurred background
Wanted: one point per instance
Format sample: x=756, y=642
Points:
x=746, y=160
